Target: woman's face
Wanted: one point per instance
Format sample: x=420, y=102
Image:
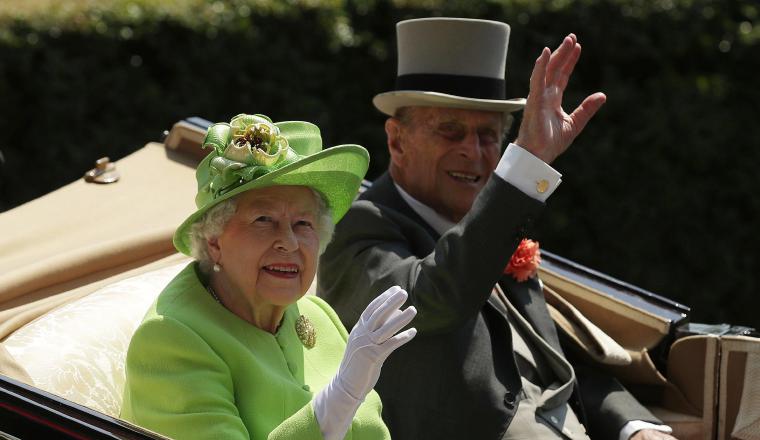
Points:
x=268, y=249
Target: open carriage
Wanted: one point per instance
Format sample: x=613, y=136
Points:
x=79, y=267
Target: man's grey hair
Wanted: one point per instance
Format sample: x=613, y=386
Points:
x=406, y=116
x=212, y=224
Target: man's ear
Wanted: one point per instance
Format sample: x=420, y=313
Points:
x=395, y=147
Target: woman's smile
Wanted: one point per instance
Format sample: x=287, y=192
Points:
x=282, y=270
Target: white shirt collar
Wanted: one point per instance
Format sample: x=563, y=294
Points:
x=436, y=221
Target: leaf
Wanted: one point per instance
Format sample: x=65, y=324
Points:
x=218, y=136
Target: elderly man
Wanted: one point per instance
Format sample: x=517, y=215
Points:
x=443, y=223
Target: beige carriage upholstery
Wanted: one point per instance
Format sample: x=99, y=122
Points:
x=711, y=389
x=78, y=350
x=84, y=239
x=82, y=236
x=714, y=388
x=688, y=402
x=739, y=396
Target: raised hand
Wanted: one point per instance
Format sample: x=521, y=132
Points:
x=372, y=340
x=546, y=130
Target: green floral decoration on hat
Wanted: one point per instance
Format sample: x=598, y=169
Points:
x=251, y=152
x=248, y=147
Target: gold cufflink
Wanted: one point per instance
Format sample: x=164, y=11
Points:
x=542, y=185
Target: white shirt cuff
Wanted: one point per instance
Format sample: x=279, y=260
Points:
x=528, y=173
x=635, y=426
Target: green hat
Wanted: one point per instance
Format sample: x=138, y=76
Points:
x=252, y=152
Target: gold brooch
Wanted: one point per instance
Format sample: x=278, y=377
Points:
x=306, y=332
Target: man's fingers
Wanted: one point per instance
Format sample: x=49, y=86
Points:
x=559, y=58
x=381, y=314
x=587, y=110
x=563, y=76
x=395, y=322
x=377, y=302
x=538, y=76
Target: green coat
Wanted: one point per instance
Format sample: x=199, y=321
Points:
x=195, y=370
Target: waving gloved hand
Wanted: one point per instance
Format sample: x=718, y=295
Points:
x=369, y=344
x=372, y=340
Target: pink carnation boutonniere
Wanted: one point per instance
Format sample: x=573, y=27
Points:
x=524, y=262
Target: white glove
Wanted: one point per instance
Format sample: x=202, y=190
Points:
x=369, y=344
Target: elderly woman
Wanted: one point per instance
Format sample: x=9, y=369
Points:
x=232, y=348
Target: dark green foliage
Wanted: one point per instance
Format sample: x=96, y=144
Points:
x=658, y=191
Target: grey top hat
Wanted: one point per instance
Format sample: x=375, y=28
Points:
x=450, y=62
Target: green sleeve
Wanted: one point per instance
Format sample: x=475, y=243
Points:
x=301, y=425
x=178, y=386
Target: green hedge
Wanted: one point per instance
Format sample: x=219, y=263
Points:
x=659, y=190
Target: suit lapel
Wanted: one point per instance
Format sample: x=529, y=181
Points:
x=499, y=305
x=528, y=298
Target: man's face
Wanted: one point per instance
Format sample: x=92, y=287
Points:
x=443, y=157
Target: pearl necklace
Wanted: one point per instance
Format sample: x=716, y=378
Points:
x=211, y=291
x=305, y=330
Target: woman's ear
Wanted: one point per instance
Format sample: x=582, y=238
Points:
x=214, y=250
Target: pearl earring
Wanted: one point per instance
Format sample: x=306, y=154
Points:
x=217, y=268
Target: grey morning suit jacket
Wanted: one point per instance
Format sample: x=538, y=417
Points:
x=458, y=378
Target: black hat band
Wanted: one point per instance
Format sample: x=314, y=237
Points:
x=459, y=85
